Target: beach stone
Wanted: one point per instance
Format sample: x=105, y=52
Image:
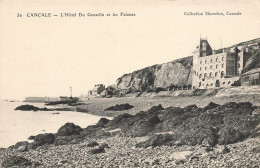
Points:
x=104, y=145
x=16, y=161
x=22, y=148
x=222, y=149
x=180, y=155
x=32, y=137
x=69, y=129
x=256, y=149
x=18, y=144
x=156, y=140
x=96, y=151
x=42, y=139
x=92, y=144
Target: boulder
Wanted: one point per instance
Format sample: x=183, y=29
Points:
x=16, y=161
x=119, y=107
x=232, y=105
x=90, y=131
x=245, y=105
x=154, y=119
x=64, y=140
x=143, y=127
x=211, y=105
x=27, y=107
x=155, y=109
x=102, y=122
x=42, y=139
x=69, y=129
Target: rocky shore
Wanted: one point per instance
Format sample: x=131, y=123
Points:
x=28, y=107
x=213, y=136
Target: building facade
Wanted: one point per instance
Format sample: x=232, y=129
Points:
x=215, y=68
x=251, y=78
x=97, y=90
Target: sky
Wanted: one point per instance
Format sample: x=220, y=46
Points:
x=45, y=56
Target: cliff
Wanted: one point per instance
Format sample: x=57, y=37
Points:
x=178, y=72
x=175, y=73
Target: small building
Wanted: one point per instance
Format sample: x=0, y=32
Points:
x=251, y=77
x=104, y=93
x=97, y=89
x=123, y=91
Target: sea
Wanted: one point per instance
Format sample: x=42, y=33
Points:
x=17, y=125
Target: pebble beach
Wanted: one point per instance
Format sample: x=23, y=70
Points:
x=123, y=153
x=121, y=150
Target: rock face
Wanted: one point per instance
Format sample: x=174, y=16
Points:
x=177, y=73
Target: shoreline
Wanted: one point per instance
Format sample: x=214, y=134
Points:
x=97, y=106
x=160, y=136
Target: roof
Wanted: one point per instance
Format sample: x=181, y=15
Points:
x=257, y=70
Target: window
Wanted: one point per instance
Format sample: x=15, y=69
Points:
x=200, y=62
x=210, y=67
x=238, y=65
x=222, y=58
x=210, y=74
x=205, y=68
x=211, y=84
x=205, y=75
x=246, y=78
x=205, y=61
x=204, y=54
x=222, y=65
x=223, y=83
x=229, y=82
x=216, y=74
x=200, y=76
x=200, y=68
x=216, y=66
x=222, y=74
x=210, y=60
x=216, y=59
